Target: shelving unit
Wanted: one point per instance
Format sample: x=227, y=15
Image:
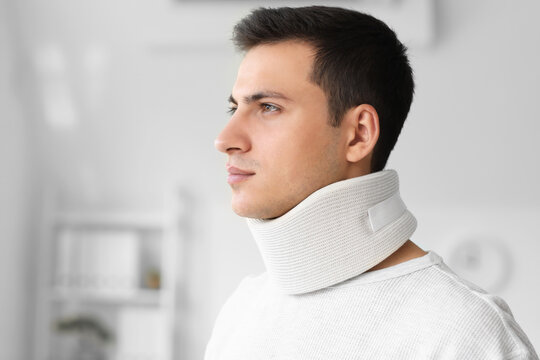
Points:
x=107, y=285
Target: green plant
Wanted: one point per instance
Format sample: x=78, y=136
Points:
x=84, y=324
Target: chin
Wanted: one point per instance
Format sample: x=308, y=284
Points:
x=241, y=212
x=247, y=213
x=252, y=211
x=241, y=209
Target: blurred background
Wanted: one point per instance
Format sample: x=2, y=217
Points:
x=116, y=236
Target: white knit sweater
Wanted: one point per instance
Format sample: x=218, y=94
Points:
x=419, y=309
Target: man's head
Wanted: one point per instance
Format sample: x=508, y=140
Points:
x=321, y=96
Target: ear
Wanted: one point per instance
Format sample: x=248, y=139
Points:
x=362, y=131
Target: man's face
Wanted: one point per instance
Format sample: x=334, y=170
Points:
x=280, y=147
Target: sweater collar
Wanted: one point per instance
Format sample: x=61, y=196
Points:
x=336, y=233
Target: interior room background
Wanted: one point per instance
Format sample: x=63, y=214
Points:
x=114, y=105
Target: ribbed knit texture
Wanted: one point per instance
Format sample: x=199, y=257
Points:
x=327, y=238
x=316, y=302
x=418, y=309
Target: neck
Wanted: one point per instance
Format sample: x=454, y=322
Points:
x=338, y=232
x=406, y=252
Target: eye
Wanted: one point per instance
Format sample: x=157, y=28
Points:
x=269, y=107
x=231, y=110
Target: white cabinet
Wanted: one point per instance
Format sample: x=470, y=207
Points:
x=107, y=285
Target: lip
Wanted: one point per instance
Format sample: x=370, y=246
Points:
x=237, y=175
x=236, y=171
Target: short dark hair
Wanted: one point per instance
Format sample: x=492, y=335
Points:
x=358, y=60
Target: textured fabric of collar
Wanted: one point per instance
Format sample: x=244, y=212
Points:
x=336, y=233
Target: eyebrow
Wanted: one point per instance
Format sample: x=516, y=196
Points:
x=258, y=96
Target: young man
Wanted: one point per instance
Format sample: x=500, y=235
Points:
x=319, y=102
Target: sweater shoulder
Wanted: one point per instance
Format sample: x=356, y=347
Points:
x=232, y=310
x=469, y=298
x=246, y=288
x=257, y=280
x=475, y=315
x=450, y=311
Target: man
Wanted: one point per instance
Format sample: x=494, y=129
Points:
x=318, y=104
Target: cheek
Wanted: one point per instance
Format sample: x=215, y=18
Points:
x=306, y=156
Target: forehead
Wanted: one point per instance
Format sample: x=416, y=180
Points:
x=283, y=67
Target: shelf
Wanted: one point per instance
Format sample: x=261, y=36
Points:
x=105, y=264
x=140, y=297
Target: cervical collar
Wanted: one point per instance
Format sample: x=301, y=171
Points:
x=336, y=233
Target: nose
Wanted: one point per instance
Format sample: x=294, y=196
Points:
x=233, y=137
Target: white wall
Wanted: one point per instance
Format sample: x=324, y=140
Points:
x=474, y=122
x=15, y=250
x=153, y=98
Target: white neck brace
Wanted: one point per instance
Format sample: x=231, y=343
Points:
x=336, y=233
